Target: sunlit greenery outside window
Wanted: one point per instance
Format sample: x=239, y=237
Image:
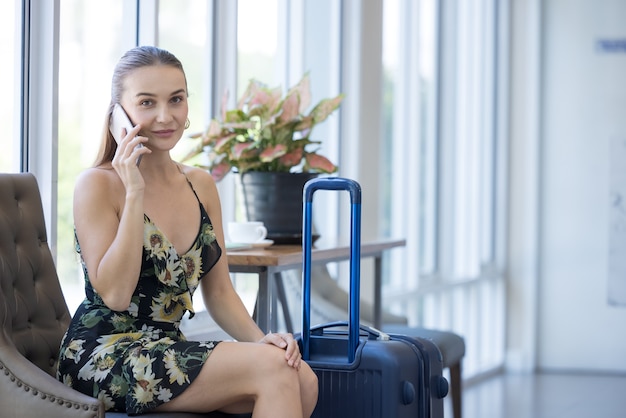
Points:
x=86, y=62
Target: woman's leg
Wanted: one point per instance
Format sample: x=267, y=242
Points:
x=244, y=377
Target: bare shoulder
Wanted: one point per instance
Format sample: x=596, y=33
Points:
x=101, y=178
x=201, y=179
x=205, y=187
x=96, y=175
x=98, y=184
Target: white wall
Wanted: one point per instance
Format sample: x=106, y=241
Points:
x=582, y=107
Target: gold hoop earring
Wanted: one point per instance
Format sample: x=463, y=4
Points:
x=187, y=123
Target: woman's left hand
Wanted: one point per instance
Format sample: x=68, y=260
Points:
x=289, y=344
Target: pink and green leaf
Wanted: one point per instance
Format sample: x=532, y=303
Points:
x=223, y=144
x=239, y=149
x=325, y=108
x=220, y=170
x=319, y=163
x=290, y=108
x=303, y=89
x=292, y=158
x=271, y=153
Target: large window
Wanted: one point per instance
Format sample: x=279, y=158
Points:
x=442, y=163
x=418, y=126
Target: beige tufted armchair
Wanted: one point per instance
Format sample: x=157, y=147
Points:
x=34, y=315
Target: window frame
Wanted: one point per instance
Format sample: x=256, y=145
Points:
x=39, y=106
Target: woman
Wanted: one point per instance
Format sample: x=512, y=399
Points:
x=149, y=234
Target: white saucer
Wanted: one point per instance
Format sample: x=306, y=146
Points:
x=262, y=244
x=234, y=246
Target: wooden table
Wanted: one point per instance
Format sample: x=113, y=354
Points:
x=271, y=261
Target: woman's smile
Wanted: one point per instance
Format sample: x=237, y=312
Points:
x=163, y=133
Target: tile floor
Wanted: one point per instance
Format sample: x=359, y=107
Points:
x=545, y=395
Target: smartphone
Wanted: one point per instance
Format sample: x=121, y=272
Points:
x=119, y=120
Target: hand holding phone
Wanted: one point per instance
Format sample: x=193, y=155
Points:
x=119, y=120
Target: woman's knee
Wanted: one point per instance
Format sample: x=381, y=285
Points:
x=273, y=366
x=277, y=375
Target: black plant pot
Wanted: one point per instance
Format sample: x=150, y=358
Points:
x=276, y=199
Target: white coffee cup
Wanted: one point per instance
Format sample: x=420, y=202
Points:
x=246, y=232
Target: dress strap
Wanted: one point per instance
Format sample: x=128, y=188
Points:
x=189, y=183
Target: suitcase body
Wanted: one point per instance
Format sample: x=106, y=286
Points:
x=362, y=371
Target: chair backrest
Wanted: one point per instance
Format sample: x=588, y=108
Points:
x=33, y=312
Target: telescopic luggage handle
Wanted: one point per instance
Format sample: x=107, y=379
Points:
x=332, y=183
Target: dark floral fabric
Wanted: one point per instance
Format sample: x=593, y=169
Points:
x=138, y=359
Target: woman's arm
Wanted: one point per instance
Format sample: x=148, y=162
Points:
x=220, y=297
x=226, y=307
x=109, y=226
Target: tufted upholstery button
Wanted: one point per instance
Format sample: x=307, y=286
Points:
x=52, y=362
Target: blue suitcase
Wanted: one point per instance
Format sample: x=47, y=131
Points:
x=362, y=371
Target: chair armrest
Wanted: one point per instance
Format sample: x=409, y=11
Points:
x=28, y=391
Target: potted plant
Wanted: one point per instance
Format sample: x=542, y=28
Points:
x=267, y=139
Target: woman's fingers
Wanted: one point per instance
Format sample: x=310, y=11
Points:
x=289, y=344
x=275, y=339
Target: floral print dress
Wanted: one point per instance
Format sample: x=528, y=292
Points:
x=138, y=359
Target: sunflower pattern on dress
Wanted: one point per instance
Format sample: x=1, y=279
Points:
x=137, y=359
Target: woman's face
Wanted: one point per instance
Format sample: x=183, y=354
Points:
x=155, y=97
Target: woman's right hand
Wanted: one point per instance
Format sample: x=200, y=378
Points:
x=125, y=160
